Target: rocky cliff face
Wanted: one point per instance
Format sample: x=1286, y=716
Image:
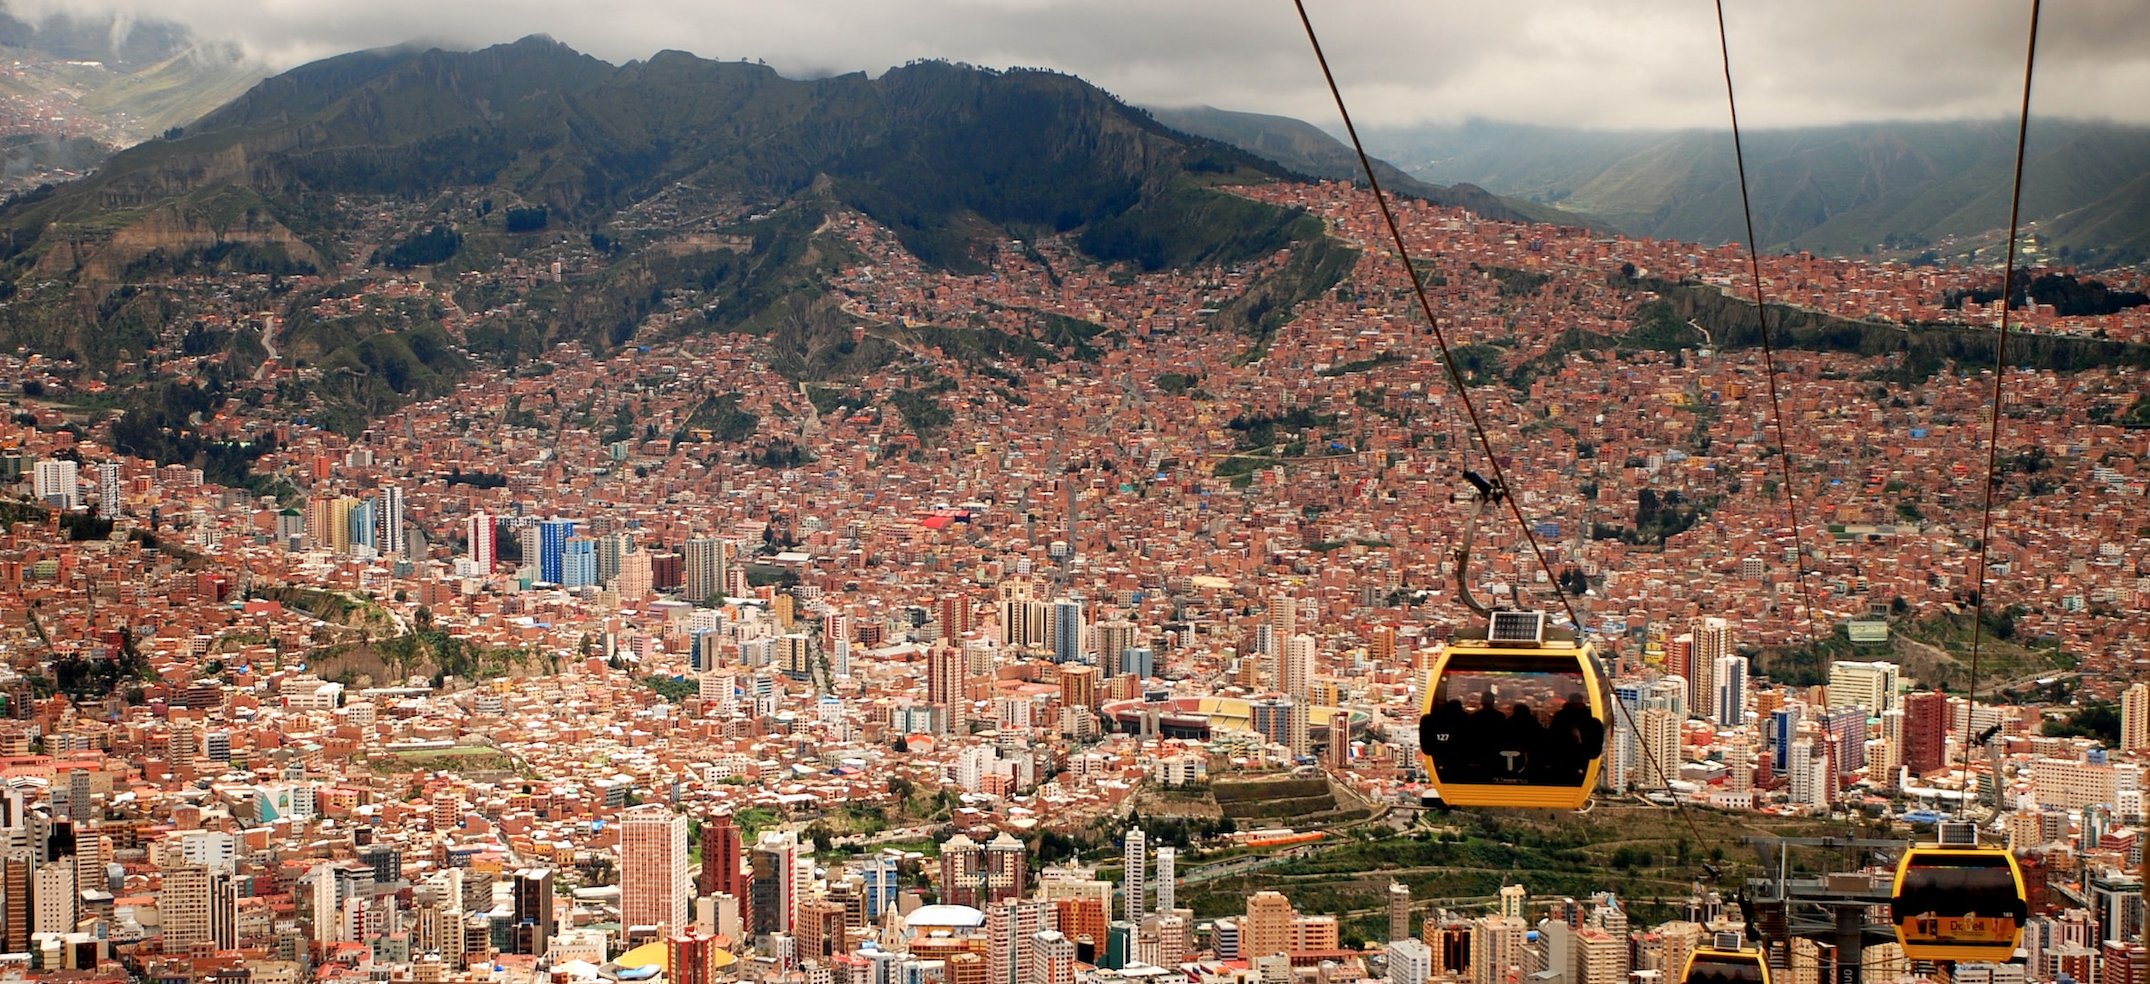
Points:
x=173, y=229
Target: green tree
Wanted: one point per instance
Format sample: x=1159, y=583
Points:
x=2100, y=721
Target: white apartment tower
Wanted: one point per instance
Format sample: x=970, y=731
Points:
x=1167, y=872
x=1728, y=704
x=1297, y=680
x=479, y=533
x=108, y=490
x=388, y=516
x=1872, y=686
x=55, y=483
x=1810, y=774
x=1134, y=862
x=1410, y=962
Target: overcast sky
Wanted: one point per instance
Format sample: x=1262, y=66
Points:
x=1599, y=63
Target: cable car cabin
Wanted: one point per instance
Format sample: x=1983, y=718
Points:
x=1516, y=716
x=1712, y=966
x=1959, y=904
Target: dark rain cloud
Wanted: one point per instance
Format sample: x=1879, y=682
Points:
x=1606, y=63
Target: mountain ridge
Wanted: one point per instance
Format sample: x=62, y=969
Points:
x=1890, y=188
x=664, y=182
x=1310, y=150
x=549, y=121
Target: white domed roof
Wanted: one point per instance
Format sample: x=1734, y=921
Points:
x=951, y=916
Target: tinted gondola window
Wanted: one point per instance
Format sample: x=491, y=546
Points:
x=1490, y=724
x=1725, y=970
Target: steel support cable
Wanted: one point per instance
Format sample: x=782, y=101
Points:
x=1418, y=288
x=1769, y=360
x=1769, y=355
x=1440, y=338
x=2000, y=375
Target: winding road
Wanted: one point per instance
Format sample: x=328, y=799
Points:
x=268, y=341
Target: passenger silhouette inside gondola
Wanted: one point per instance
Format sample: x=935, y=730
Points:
x=1572, y=740
x=1483, y=737
x=1518, y=742
x=1722, y=971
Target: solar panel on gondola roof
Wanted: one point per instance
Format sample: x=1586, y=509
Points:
x=1517, y=628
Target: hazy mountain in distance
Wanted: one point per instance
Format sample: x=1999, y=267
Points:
x=84, y=87
x=175, y=91
x=1888, y=187
x=119, y=43
x=1309, y=150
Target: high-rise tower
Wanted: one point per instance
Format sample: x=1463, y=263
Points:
x=1296, y=679
x=534, y=919
x=1713, y=641
x=1167, y=874
x=480, y=535
x=1399, y=911
x=1871, y=686
x=1925, y=732
x=388, y=518
x=200, y=906
x=1134, y=867
x=2135, y=718
x=1728, y=702
x=706, y=569
x=653, y=868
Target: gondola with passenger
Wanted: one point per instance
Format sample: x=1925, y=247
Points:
x=1516, y=716
x=1516, y=711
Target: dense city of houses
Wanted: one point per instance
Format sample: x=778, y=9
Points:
x=578, y=674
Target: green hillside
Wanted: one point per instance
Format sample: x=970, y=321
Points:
x=925, y=148
x=175, y=91
x=676, y=177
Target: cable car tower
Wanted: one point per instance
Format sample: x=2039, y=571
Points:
x=1832, y=908
x=1953, y=901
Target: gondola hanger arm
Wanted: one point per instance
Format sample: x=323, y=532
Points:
x=1488, y=492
